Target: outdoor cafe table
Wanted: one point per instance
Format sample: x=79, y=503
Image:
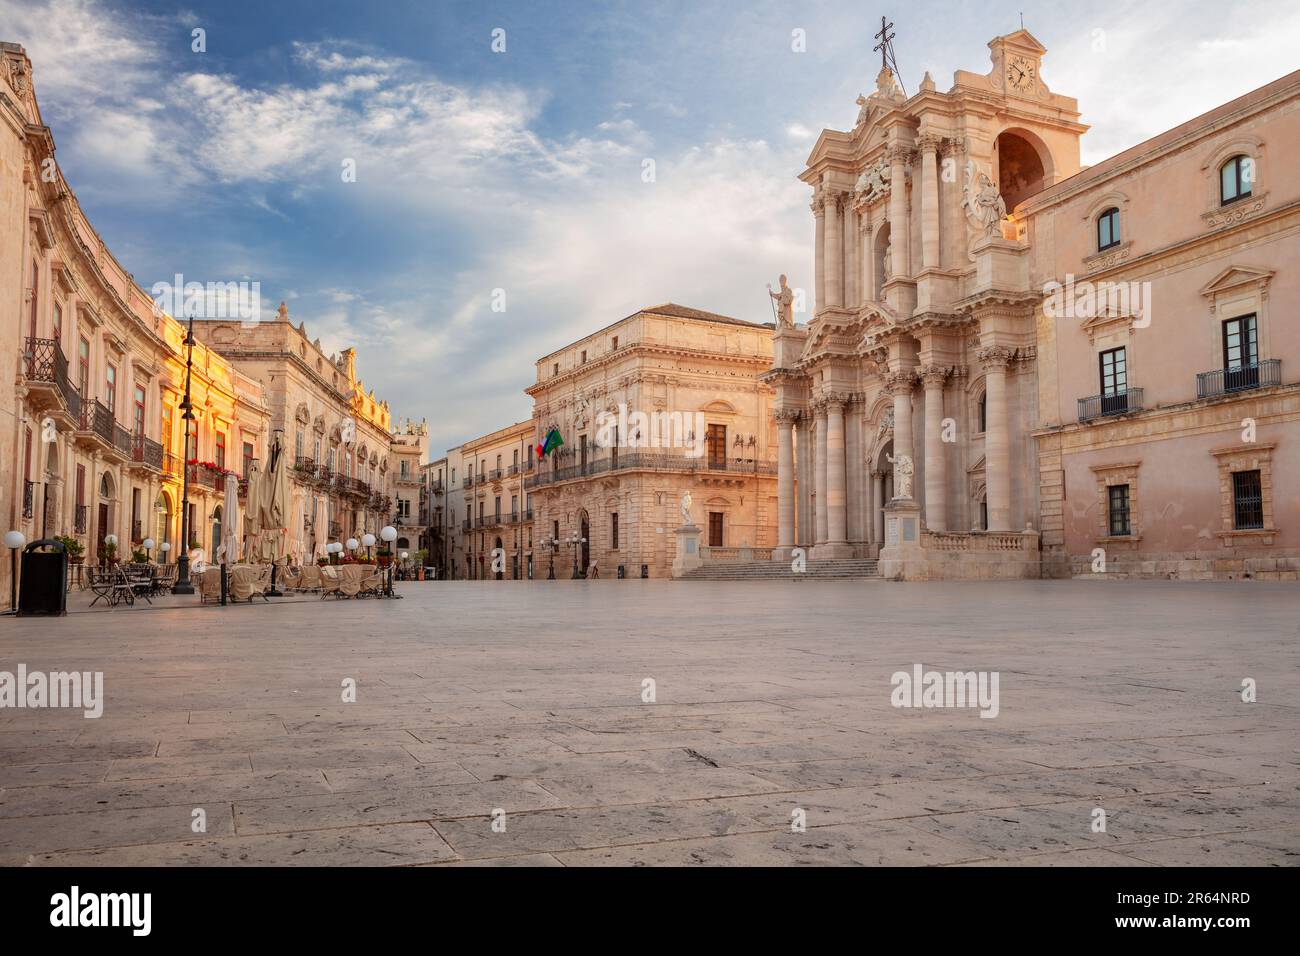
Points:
x=346, y=578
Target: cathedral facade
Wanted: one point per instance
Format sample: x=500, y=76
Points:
x=1018, y=367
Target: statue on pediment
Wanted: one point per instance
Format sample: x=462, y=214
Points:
x=784, y=304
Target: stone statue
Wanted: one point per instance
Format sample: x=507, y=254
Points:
x=902, y=475
x=983, y=203
x=686, y=508
x=785, y=304
x=864, y=111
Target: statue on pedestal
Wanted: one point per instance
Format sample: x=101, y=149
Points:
x=902, y=475
x=686, y=505
x=784, y=304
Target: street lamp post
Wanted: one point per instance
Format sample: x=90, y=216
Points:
x=575, y=540
x=183, y=584
x=368, y=540
x=551, y=545
x=388, y=534
x=14, y=541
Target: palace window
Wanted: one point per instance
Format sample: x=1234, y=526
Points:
x=110, y=387
x=1118, y=510
x=139, y=411
x=1113, y=367
x=1236, y=179
x=715, y=529
x=1240, y=353
x=1108, y=229
x=58, y=323
x=1247, y=500
x=220, y=454
x=248, y=456
x=584, y=356
x=715, y=443
x=984, y=412
x=83, y=369
x=613, y=530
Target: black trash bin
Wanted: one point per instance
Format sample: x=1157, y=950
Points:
x=43, y=585
x=645, y=570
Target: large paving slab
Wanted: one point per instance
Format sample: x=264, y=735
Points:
x=505, y=723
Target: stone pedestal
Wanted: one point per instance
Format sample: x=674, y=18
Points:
x=901, y=557
x=688, y=549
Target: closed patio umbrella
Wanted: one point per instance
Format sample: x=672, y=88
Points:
x=230, y=521
x=275, y=502
x=253, y=517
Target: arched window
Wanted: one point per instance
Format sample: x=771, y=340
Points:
x=1108, y=229
x=983, y=412
x=1236, y=179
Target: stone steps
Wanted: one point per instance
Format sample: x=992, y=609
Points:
x=855, y=568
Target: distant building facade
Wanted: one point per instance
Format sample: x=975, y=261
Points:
x=665, y=402
x=490, y=512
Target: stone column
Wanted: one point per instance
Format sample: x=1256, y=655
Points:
x=929, y=144
x=852, y=295
x=936, y=509
x=877, y=502
x=803, y=489
x=900, y=386
x=898, y=159
x=853, y=468
x=785, y=483
x=997, y=446
x=819, y=477
x=836, y=498
x=819, y=250
x=833, y=254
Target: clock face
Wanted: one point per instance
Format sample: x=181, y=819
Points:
x=1020, y=73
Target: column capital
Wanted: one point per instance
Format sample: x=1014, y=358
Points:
x=788, y=416
x=928, y=143
x=934, y=376
x=953, y=146
x=900, y=154
x=995, y=358
x=900, y=383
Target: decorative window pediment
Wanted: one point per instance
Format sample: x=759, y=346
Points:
x=1237, y=279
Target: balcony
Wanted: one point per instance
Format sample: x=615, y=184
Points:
x=494, y=474
x=304, y=468
x=96, y=424
x=48, y=387
x=512, y=471
x=146, y=453
x=480, y=478
x=123, y=441
x=1226, y=381
x=467, y=481
x=465, y=525
x=171, y=465
x=668, y=460
x=438, y=487
x=1105, y=406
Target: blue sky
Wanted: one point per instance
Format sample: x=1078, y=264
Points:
x=522, y=170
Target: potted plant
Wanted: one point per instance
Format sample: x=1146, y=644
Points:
x=107, y=554
x=138, y=556
x=385, y=556
x=72, y=547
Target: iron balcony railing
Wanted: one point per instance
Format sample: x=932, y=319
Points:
x=122, y=439
x=438, y=488
x=512, y=471
x=467, y=481
x=79, y=519
x=1116, y=403
x=494, y=474
x=480, y=478
x=147, y=452
x=97, y=419
x=171, y=465
x=649, y=461
x=465, y=525
x=47, y=364
x=1224, y=381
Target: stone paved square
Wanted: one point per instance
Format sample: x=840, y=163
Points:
x=770, y=698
